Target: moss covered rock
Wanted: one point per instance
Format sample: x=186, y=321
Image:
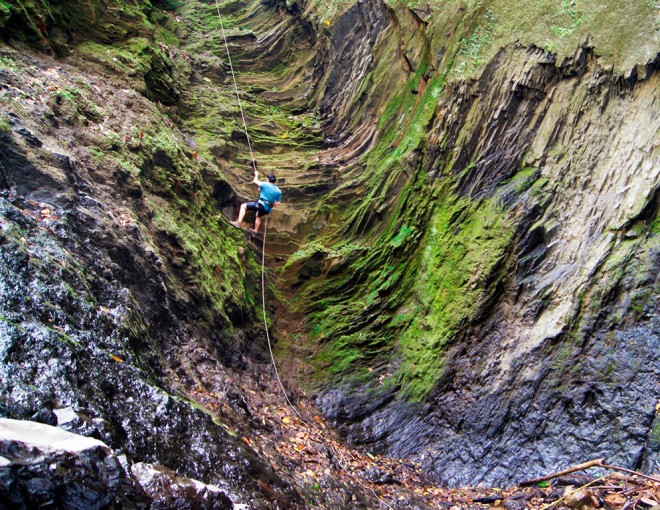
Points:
x=59, y=25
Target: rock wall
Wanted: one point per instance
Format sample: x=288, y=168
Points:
x=488, y=304
x=45, y=466
x=123, y=292
x=56, y=26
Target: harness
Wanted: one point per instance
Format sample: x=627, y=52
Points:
x=266, y=202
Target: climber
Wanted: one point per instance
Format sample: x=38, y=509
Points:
x=269, y=196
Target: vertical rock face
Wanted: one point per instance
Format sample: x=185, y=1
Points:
x=56, y=25
x=347, y=62
x=498, y=307
x=121, y=289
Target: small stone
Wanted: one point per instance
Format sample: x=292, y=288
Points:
x=29, y=137
x=169, y=490
x=578, y=499
x=378, y=476
x=66, y=416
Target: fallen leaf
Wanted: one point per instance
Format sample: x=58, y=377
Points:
x=615, y=500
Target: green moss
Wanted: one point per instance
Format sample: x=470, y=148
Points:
x=465, y=244
x=400, y=237
x=211, y=254
x=67, y=339
x=89, y=20
x=365, y=311
x=479, y=28
x=365, y=316
x=521, y=181
x=5, y=13
x=139, y=60
x=8, y=63
x=356, y=322
x=654, y=226
x=97, y=154
x=655, y=431
x=74, y=105
x=166, y=28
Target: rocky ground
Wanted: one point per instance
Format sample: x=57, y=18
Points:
x=304, y=447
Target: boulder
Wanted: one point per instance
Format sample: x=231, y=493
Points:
x=42, y=466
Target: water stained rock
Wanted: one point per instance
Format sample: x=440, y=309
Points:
x=90, y=333
x=168, y=490
x=44, y=467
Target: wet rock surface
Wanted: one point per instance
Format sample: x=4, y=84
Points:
x=93, y=335
x=45, y=467
x=169, y=490
x=93, y=367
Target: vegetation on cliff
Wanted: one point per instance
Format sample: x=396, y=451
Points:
x=446, y=242
x=379, y=224
x=470, y=222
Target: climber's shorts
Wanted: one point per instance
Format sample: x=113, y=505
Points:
x=258, y=207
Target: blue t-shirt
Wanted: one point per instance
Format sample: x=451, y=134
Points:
x=269, y=194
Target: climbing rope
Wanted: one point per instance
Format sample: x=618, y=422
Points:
x=238, y=96
x=263, y=250
x=337, y=454
x=263, y=309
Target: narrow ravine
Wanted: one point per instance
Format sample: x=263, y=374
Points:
x=461, y=282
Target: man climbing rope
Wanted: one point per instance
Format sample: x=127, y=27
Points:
x=269, y=196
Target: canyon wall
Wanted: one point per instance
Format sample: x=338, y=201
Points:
x=126, y=299
x=487, y=303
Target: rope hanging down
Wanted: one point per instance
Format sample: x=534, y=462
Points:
x=263, y=251
x=263, y=261
x=233, y=77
